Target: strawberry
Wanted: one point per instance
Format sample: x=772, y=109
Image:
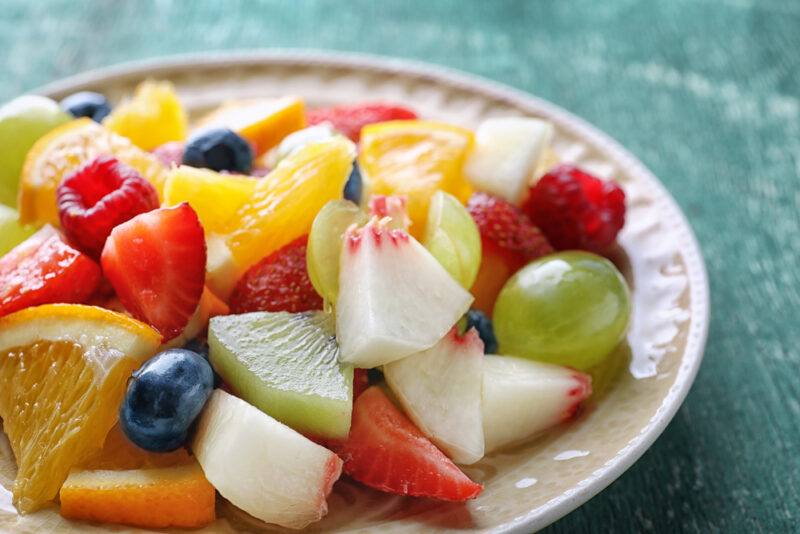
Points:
x=387, y=452
x=279, y=282
x=349, y=120
x=510, y=241
x=157, y=265
x=45, y=270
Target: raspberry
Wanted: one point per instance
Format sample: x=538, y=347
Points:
x=349, y=120
x=505, y=229
x=99, y=196
x=279, y=282
x=576, y=210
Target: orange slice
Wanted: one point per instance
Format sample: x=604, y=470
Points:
x=149, y=498
x=153, y=116
x=263, y=122
x=215, y=197
x=286, y=201
x=63, y=368
x=64, y=150
x=414, y=159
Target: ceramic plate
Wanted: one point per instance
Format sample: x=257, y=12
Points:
x=637, y=392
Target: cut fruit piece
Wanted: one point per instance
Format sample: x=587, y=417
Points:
x=45, y=270
x=148, y=498
x=119, y=454
x=263, y=122
x=22, y=122
x=153, y=116
x=287, y=366
x=387, y=452
x=507, y=153
x=392, y=208
x=210, y=306
x=64, y=150
x=12, y=232
x=63, y=370
x=215, y=197
x=415, y=159
x=440, y=390
x=394, y=297
x=452, y=237
x=287, y=200
x=522, y=398
x=351, y=119
x=156, y=263
x=324, y=250
x=222, y=274
x=262, y=466
x=299, y=138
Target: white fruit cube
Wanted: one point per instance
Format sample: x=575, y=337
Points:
x=440, y=390
x=521, y=398
x=506, y=154
x=394, y=299
x=262, y=466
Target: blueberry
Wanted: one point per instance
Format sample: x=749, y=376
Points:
x=483, y=325
x=219, y=149
x=87, y=104
x=163, y=399
x=354, y=186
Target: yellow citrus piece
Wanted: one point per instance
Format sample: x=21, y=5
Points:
x=262, y=121
x=215, y=197
x=286, y=201
x=153, y=116
x=63, y=370
x=414, y=159
x=64, y=150
x=150, y=498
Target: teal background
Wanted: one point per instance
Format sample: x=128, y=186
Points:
x=705, y=92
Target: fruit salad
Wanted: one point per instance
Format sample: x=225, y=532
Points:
x=253, y=304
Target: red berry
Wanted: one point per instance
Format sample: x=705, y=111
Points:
x=575, y=210
x=45, y=270
x=350, y=119
x=99, y=196
x=387, y=452
x=170, y=154
x=157, y=265
x=509, y=241
x=278, y=282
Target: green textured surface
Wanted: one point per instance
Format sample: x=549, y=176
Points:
x=705, y=92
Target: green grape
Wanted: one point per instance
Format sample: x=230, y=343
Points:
x=325, y=245
x=22, y=122
x=452, y=237
x=12, y=233
x=570, y=308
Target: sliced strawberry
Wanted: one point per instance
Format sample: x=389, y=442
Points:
x=510, y=241
x=45, y=270
x=387, y=452
x=157, y=265
x=349, y=120
x=279, y=282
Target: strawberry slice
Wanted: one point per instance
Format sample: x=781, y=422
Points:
x=387, y=452
x=157, y=265
x=349, y=120
x=45, y=270
x=278, y=282
x=510, y=241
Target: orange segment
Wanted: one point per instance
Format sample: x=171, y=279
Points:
x=149, y=498
x=215, y=197
x=286, y=201
x=415, y=159
x=63, y=369
x=153, y=116
x=65, y=149
x=263, y=122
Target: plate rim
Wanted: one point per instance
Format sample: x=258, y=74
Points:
x=693, y=354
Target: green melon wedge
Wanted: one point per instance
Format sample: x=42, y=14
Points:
x=287, y=365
